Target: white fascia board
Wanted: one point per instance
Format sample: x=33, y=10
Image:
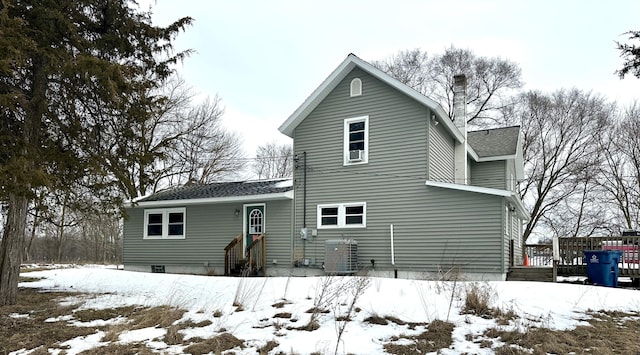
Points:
x=472, y=153
x=196, y=201
x=497, y=157
x=519, y=160
x=340, y=73
x=469, y=188
x=520, y=208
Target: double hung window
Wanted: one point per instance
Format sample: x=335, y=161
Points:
x=164, y=223
x=342, y=215
x=356, y=140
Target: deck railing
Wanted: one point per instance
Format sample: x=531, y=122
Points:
x=571, y=257
x=233, y=254
x=257, y=255
x=540, y=254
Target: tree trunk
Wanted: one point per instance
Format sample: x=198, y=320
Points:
x=11, y=248
x=60, y=230
x=34, y=227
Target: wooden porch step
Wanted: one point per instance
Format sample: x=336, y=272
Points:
x=530, y=273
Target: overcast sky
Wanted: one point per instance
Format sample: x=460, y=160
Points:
x=263, y=58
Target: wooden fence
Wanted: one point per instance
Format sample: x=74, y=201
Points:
x=572, y=261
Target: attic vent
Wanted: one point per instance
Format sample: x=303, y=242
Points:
x=341, y=256
x=157, y=269
x=356, y=87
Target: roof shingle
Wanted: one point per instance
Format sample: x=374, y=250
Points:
x=494, y=142
x=222, y=189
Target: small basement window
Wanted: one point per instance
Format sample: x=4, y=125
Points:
x=157, y=269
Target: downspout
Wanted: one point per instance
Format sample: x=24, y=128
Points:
x=304, y=203
x=304, y=191
x=393, y=256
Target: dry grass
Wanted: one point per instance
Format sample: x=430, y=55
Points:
x=438, y=336
x=280, y=304
x=33, y=269
x=375, y=319
x=28, y=279
x=270, y=345
x=216, y=345
x=32, y=332
x=191, y=324
x=282, y=315
x=37, y=329
x=477, y=301
x=317, y=310
x=141, y=317
x=608, y=333
x=121, y=349
x=173, y=335
x=88, y=315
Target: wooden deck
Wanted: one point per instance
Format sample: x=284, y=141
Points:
x=531, y=273
x=571, y=258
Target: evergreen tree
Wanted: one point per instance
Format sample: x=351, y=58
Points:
x=631, y=55
x=74, y=74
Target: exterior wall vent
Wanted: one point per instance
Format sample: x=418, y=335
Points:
x=355, y=155
x=157, y=269
x=341, y=256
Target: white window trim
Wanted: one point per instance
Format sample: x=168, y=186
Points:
x=365, y=158
x=355, y=88
x=342, y=215
x=165, y=223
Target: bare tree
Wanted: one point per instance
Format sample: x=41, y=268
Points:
x=274, y=161
x=183, y=142
x=559, y=134
x=210, y=152
x=620, y=170
x=491, y=81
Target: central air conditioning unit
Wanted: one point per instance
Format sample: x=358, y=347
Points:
x=356, y=155
x=341, y=256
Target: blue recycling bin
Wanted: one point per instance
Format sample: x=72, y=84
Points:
x=602, y=266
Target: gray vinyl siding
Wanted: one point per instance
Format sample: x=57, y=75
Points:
x=209, y=228
x=510, y=175
x=435, y=228
x=507, y=216
x=278, y=231
x=489, y=174
x=517, y=238
x=441, y=155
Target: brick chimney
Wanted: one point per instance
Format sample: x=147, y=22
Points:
x=460, y=121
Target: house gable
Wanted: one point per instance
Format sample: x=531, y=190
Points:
x=395, y=124
x=337, y=76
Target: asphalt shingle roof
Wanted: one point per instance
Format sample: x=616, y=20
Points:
x=222, y=189
x=494, y=142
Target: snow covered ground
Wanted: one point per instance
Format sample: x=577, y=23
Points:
x=555, y=306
